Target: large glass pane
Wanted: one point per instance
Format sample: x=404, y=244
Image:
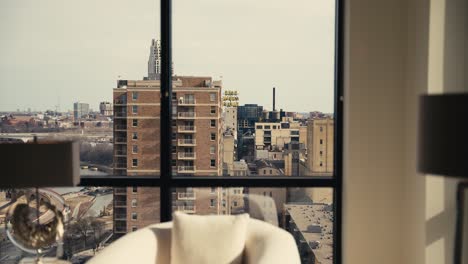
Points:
x=96, y=216
x=261, y=75
x=307, y=213
x=66, y=70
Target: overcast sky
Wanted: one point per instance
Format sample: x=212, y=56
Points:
x=61, y=51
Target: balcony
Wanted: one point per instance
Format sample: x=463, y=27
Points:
x=120, y=140
x=187, y=155
x=120, y=114
x=190, y=209
x=186, y=102
x=120, y=229
x=119, y=102
x=120, y=216
x=120, y=127
x=187, y=129
x=120, y=165
x=186, y=196
x=120, y=203
x=186, y=169
x=186, y=115
x=121, y=153
x=120, y=190
x=187, y=142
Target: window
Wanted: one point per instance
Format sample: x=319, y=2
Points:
x=134, y=162
x=212, y=123
x=134, y=189
x=134, y=216
x=212, y=163
x=134, y=228
x=234, y=203
x=134, y=202
x=267, y=127
x=321, y=164
x=296, y=105
x=213, y=189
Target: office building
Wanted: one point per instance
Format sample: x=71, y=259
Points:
x=80, y=110
x=105, y=108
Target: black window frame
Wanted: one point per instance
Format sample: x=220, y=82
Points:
x=166, y=182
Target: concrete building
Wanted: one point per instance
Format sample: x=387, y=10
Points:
x=105, y=109
x=275, y=135
x=312, y=228
x=80, y=110
x=292, y=155
x=320, y=141
x=196, y=138
x=229, y=154
x=230, y=119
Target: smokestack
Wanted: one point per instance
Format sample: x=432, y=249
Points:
x=274, y=109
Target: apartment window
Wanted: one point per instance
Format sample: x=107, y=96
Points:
x=134, y=216
x=224, y=203
x=212, y=149
x=135, y=136
x=234, y=203
x=213, y=136
x=173, y=162
x=135, y=109
x=212, y=97
x=212, y=163
x=134, y=202
x=212, y=202
x=271, y=194
x=213, y=110
x=321, y=141
x=134, y=162
x=134, y=122
x=321, y=129
x=213, y=123
x=134, y=189
x=134, y=96
x=259, y=127
x=213, y=189
x=267, y=127
x=274, y=127
x=321, y=164
x=321, y=152
x=134, y=228
x=174, y=136
x=174, y=96
x=135, y=149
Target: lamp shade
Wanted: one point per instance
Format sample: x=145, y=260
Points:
x=443, y=135
x=41, y=164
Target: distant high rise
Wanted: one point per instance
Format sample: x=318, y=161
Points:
x=105, y=108
x=154, y=61
x=80, y=110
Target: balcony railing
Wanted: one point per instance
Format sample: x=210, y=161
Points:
x=120, y=203
x=186, y=115
x=185, y=208
x=185, y=101
x=120, y=140
x=120, y=216
x=187, y=142
x=120, y=165
x=186, y=196
x=121, y=153
x=120, y=102
x=187, y=129
x=187, y=155
x=186, y=169
x=120, y=190
x=120, y=114
x=120, y=127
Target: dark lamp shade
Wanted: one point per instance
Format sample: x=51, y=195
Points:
x=443, y=135
x=42, y=164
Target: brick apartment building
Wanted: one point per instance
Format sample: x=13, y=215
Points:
x=196, y=144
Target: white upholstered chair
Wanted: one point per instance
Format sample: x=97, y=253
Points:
x=265, y=244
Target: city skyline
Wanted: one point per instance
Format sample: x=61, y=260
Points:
x=79, y=60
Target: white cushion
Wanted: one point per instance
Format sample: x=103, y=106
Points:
x=221, y=236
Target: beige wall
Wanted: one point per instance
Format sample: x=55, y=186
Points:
x=395, y=51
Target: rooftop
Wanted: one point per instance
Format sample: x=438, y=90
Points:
x=315, y=223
